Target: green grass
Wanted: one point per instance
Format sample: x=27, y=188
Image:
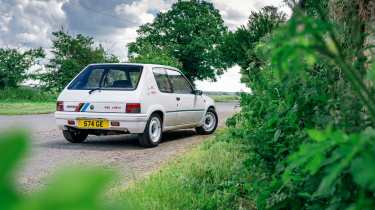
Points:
x=26, y=100
x=225, y=98
x=19, y=108
x=211, y=176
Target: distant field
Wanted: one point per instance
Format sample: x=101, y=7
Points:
x=225, y=98
x=19, y=108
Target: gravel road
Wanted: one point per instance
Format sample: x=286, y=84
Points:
x=50, y=151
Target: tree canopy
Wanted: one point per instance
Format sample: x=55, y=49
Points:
x=14, y=65
x=239, y=47
x=190, y=32
x=70, y=55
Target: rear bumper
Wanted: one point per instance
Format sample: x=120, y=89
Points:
x=132, y=123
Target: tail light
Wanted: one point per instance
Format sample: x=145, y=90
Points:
x=133, y=108
x=60, y=106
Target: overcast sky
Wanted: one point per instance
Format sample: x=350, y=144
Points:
x=113, y=23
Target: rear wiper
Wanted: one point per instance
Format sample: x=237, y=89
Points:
x=94, y=89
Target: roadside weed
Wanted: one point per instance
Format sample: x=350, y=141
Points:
x=78, y=188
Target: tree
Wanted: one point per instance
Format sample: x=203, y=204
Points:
x=14, y=65
x=239, y=46
x=190, y=32
x=70, y=55
x=155, y=56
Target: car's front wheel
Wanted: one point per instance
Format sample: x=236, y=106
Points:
x=75, y=136
x=152, y=134
x=210, y=122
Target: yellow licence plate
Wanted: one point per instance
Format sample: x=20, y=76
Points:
x=93, y=123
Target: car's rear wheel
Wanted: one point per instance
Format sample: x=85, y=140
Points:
x=75, y=136
x=210, y=122
x=152, y=134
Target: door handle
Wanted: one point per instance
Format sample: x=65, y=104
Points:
x=178, y=98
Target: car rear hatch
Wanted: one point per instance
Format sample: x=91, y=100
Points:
x=100, y=101
x=102, y=88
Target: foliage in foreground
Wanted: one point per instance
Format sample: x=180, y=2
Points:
x=211, y=176
x=309, y=123
x=61, y=193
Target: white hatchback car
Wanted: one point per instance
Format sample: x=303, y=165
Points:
x=144, y=99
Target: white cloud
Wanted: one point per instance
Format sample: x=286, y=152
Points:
x=117, y=41
x=136, y=12
x=29, y=23
x=236, y=12
x=228, y=82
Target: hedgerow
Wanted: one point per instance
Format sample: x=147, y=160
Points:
x=309, y=122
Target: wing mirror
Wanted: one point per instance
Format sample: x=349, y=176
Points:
x=198, y=92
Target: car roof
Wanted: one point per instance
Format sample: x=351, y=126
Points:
x=134, y=64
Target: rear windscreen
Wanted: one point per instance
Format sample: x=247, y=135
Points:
x=107, y=77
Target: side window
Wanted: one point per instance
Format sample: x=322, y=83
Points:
x=162, y=80
x=134, y=76
x=179, y=82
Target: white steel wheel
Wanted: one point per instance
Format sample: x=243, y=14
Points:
x=152, y=134
x=155, y=129
x=210, y=122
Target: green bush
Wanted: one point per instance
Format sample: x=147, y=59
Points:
x=77, y=188
x=26, y=94
x=312, y=77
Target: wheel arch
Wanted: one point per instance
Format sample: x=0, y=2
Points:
x=211, y=107
x=160, y=113
x=156, y=109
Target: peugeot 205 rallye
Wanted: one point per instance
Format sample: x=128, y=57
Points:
x=144, y=99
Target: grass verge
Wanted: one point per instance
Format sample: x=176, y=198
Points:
x=211, y=176
x=19, y=108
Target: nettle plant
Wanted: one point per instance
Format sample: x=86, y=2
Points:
x=335, y=170
x=75, y=188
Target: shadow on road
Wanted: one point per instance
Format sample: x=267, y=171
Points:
x=116, y=142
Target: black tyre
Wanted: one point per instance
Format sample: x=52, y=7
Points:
x=75, y=136
x=209, y=124
x=152, y=134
